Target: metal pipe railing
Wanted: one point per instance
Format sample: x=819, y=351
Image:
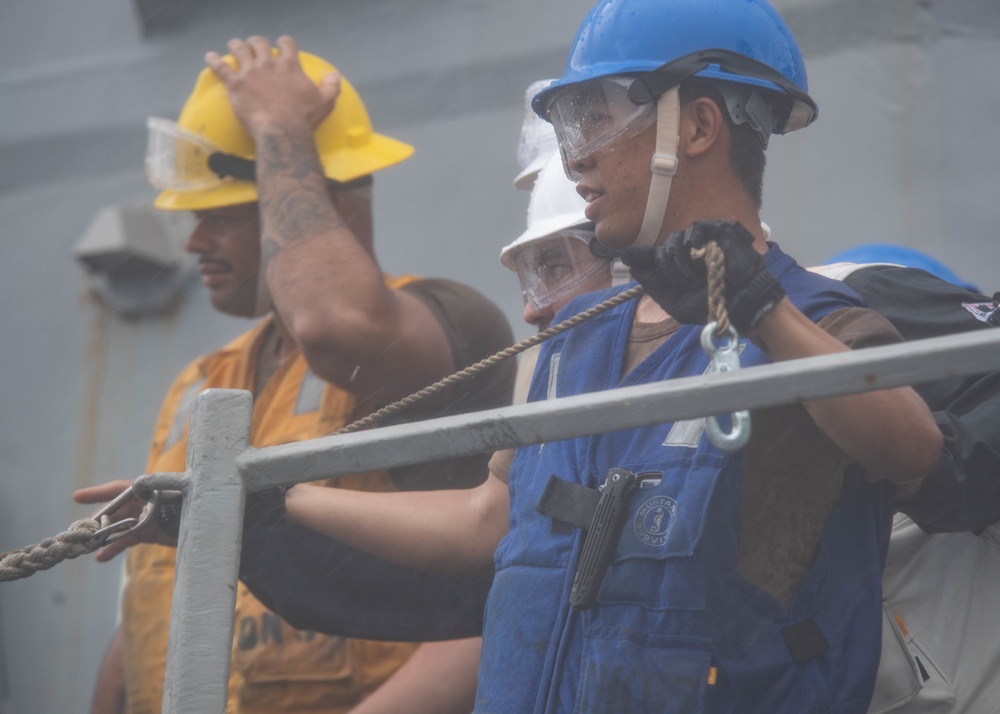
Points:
x=692, y=397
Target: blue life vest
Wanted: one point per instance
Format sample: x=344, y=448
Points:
x=676, y=629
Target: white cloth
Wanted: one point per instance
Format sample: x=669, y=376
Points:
x=944, y=588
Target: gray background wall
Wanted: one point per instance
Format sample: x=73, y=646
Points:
x=906, y=150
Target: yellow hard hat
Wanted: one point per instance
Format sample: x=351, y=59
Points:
x=348, y=148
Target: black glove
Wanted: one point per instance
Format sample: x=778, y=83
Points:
x=168, y=518
x=263, y=508
x=678, y=282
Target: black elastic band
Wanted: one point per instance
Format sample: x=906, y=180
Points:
x=652, y=84
x=655, y=82
x=225, y=165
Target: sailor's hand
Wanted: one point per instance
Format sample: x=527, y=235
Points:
x=671, y=277
x=268, y=88
x=677, y=280
x=107, y=492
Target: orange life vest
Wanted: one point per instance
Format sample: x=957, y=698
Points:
x=276, y=668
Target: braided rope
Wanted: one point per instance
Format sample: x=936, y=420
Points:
x=472, y=370
x=78, y=540
x=715, y=261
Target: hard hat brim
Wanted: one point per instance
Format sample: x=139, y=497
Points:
x=228, y=193
x=378, y=152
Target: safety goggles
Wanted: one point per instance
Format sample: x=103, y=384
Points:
x=589, y=116
x=179, y=160
x=555, y=267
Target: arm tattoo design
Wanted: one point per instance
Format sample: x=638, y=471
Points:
x=294, y=203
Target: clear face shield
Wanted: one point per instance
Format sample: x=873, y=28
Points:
x=553, y=268
x=589, y=116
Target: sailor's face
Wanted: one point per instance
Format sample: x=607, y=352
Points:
x=615, y=184
x=227, y=243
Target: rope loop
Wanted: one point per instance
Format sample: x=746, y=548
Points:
x=715, y=262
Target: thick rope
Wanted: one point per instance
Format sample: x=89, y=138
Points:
x=715, y=261
x=472, y=370
x=78, y=540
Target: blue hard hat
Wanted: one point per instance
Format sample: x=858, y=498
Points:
x=898, y=255
x=665, y=41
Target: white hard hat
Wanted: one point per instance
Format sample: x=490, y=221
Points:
x=554, y=206
x=538, y=140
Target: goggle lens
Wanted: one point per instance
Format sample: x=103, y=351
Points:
x=177, y=159
x=554, y=267
x=589, y=116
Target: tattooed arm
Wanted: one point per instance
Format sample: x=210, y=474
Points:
x=317, y=257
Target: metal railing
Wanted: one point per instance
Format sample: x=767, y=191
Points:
x=222, y=468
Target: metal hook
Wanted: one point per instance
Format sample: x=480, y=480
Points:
x=725, y=358
x=110, y=532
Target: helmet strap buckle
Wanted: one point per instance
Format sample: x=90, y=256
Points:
x=663, y=164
